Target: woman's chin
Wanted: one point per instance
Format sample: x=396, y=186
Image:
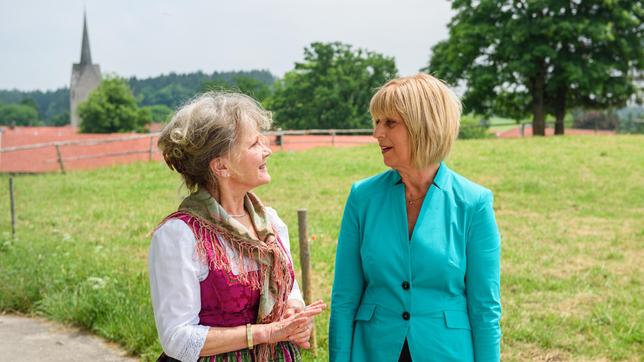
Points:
x=265, y=179
x=388, y=164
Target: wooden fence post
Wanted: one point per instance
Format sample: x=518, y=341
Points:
x=333, y=137
x=151, y=148
x=60, y=159
x=279, y=139
x=1, y=132
x=13, y=208
x=305, y=264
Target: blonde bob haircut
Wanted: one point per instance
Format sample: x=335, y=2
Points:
x=430, y=110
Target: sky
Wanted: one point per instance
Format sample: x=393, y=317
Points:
x=40, y=39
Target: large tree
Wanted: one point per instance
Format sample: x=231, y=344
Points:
x=110, y=108
x=539, y=57
x=331, y=88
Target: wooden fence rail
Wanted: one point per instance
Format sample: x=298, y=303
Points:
x=94, y=142
x=107, y=154
x=57, y=145
x=77, y=143
x=151, y=149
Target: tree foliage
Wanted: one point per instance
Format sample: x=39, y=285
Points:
x=606, y=120
x=159, y=113
x=59, y=120
x=18, y=114
x=48, y=104
x=331, y=88
x=472, y=127
x=250, y=86
x=170, y=90
x=542, y=57
x=174, y=89
x=110, y=108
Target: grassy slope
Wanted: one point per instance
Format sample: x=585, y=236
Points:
x=568, y=210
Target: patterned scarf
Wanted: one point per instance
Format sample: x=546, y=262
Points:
x=274, y=277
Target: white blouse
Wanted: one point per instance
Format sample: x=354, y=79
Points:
x=175, y=273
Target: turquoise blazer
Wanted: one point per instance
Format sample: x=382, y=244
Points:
x=440, y=289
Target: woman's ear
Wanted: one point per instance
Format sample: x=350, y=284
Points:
x=219, y=166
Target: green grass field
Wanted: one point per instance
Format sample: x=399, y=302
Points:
x=570, y=212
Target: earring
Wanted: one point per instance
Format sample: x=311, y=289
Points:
x=226, y=174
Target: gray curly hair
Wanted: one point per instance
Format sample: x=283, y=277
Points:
x=206, y=128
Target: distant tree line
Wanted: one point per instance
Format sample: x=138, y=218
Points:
x=160, y=94
x=174, y=89
x=50, y=107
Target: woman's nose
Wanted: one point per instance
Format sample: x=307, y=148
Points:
x=267, y=150
x=377, y=131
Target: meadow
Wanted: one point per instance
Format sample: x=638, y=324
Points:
x=569, y=209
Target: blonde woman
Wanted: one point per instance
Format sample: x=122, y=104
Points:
x=221, y=277
x=417, y=265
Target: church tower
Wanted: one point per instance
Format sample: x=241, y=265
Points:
x=85, y=78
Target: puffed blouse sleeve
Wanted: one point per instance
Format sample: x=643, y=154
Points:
x=175, y=274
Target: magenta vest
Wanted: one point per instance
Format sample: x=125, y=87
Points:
x=225, y=302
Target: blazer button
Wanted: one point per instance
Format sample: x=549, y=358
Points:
x=406, y=316
x=405, y=285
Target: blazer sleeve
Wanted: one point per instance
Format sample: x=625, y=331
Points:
x=482, y=281
x=348, y=282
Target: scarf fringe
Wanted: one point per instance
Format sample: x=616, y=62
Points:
x=273, y=266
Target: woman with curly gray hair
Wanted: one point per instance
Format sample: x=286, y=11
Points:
x=221, y=274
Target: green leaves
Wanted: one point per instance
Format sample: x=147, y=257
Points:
x=159, y=113
x=112, y=108
x=18, y=114
x=248, y=85
x=331, y=88
x=590, y=51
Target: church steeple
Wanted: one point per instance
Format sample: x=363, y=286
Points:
x=86, y=76
x=86, y=56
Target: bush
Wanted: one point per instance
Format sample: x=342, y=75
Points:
x=18, y=114
x=59, y=120
x=472, y=127
x=631, y=120
x=606, y=120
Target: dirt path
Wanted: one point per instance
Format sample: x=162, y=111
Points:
x=30, y=339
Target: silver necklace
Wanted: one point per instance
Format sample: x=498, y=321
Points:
x=238, y=216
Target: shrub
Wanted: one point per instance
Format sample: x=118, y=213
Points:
x=473, y=126
x=631, y=120
x=606, y=120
